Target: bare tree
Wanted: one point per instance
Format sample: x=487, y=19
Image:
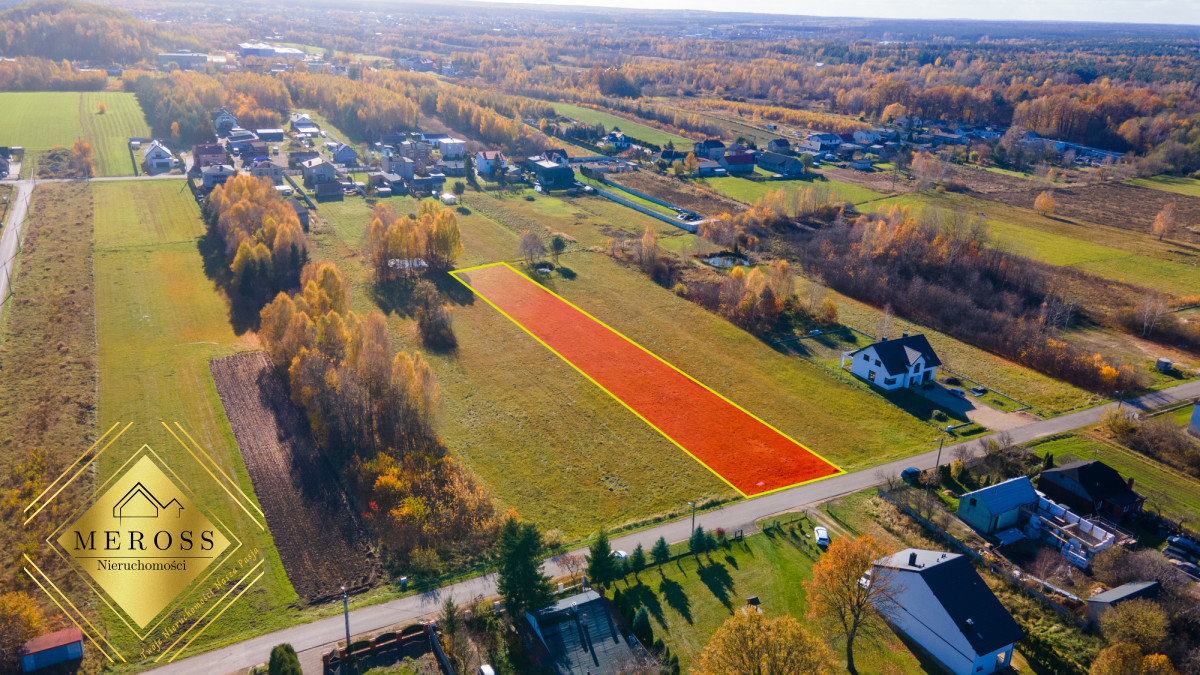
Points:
x=1152, y=310
x=884, y=326
x=816, y=295
x=531, y=247
x=572, y=563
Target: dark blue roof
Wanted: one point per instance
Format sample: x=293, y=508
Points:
x=1004, y=497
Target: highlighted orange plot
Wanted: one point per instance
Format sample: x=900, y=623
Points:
x=749, y=454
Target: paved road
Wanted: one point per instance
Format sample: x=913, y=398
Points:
x=737, y=515
x=11, y=236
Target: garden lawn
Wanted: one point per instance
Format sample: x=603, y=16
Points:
x=690, y=597
x=1177, y=184
x=39, y=121
x=159, y=322
x=639, y=131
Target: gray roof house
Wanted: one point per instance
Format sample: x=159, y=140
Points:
x=940, y=602
x=1100, y=603
x=579, y=635
x=997, y=507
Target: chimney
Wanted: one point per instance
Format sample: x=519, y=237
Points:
x=1130, y=483
x=883, y=339
x=912, y=559
x=904, y=334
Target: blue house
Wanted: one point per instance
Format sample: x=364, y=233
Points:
x=344, y=154
x=997, y=507
x=50, y=650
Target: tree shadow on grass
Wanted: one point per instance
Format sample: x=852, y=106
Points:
x=676, y=599
x=243, y=311
x=720, y=584
x=395, y=296
x=732, y=561
x=642, y=595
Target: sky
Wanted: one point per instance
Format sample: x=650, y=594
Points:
x=1118, y=11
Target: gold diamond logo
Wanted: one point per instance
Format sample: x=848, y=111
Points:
x=143, y=541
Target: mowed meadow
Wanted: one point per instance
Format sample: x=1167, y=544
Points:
x=160, y=319
x=38, y=121
x=553, y=446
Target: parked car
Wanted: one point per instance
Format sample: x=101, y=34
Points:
x=911, y=473
x=821, y=535
x=958, y=392
x=978, y=391
x=1185, y=544
x=1180, y=554
x=620, y=555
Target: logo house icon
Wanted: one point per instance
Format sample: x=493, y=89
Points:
x=141, y=503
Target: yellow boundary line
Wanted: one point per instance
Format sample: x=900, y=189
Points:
x=64, y=611
x=76, y=474
x=210, y=609
x=837, y=469
x=72, y=466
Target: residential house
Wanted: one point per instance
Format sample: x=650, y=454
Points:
x=488, y=162
x=578, y=635
x=780, y=145
x=265, y=168
x=712, y=148
x=893, y=364
x=997, y=508
x=240, y=135
x=398, y=164
x=270, y=135
x=1091, y=486
x=344, y=154
x=451, y=167
x=708, y=167
x=822, y=142
x=617, y=139
x=1100, y=603
x=380, y=179
x=53, y=649
x=206, y=154
x=298, y=157
x=216, y=174
x=782, y=165
x=223, y=121
x=452, y=148
x=302, y=123
x=414, y=149
x=251, y=149
x=860, y=164
x=940, y=602
x=317, y=171
x=738, y=164
x=329, y=191
x=847, y=150
x=556, y=155
x=948, y=138
x=1078, y=539
x=433, y=184
x=157, y=157
x=866, y=136
x=672, y=156
x=553, y=176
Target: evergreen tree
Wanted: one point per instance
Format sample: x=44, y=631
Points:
x=602, y=566
x=661, y=551
x=518, y=552
x=284, y=661
x=642, y=629
x=698, y=543
x=637, y=560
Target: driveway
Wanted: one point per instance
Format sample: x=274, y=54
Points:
x=975, y=410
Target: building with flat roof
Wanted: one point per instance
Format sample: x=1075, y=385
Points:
x=579, y=635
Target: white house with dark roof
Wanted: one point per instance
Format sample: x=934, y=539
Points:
x=940, y=602
x=893, y=364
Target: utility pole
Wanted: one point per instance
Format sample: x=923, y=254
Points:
x=693, y=505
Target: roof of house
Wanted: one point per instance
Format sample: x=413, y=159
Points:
x=740, y=158
x=711, y=143
x=1137, y=589
x=208, y=148
x=963, y=595
x=154, y=145
x=1004, y=497
x=581, y=636
x=1091, y=479
x=780, y=142
x=555, y=152
x=491, y=154
x=313, y=163
x=218, y=169
x=899, y=355
x=342, y=146
x=49, y=641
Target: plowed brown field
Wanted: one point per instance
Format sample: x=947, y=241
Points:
x=320, y=539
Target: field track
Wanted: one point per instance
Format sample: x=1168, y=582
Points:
x=321, y=542
x=747, y=453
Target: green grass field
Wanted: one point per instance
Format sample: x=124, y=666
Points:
x=1177, y=184
x=549, y=443
x=159, y=322
x=690, y=597
x=635, y=129
x=750, y=191
x=39, y=121
x=1166, y=489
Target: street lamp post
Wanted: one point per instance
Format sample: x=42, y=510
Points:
x=941, y=442
x=693, y=505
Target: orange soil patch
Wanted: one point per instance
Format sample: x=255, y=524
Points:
x=746, y=452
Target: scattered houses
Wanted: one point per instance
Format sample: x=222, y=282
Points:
x=893, y=364
x=317, y=171
x=223, y=121
x=184, y=59
x=1091, y=486
x=553, y=176
x=940, y=602
x=711, y=148
x=216, y=174
x=488, y=162
x=157, y=157
x=997, y=507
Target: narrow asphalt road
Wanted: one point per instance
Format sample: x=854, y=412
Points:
x=737, y=515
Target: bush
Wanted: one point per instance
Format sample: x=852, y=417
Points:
x=642, y=629
x=284, y=661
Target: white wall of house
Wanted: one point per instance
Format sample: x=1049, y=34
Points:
x=918, y=613
x=866, y=364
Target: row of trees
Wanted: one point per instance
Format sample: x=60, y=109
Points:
x=401, y=247
x=952, y=280
x=363, y=110
x=34, y=74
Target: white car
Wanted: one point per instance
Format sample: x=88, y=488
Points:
x=821, y=535
x=620, y=555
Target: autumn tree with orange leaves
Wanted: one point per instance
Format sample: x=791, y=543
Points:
x=750, y=644
x=839, y=602
x=401, y=247
x=1044, y=204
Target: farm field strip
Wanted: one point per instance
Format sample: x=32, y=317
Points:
x=1177, y=184
x=699, y=421
x=41, y=120
x=637, y=130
